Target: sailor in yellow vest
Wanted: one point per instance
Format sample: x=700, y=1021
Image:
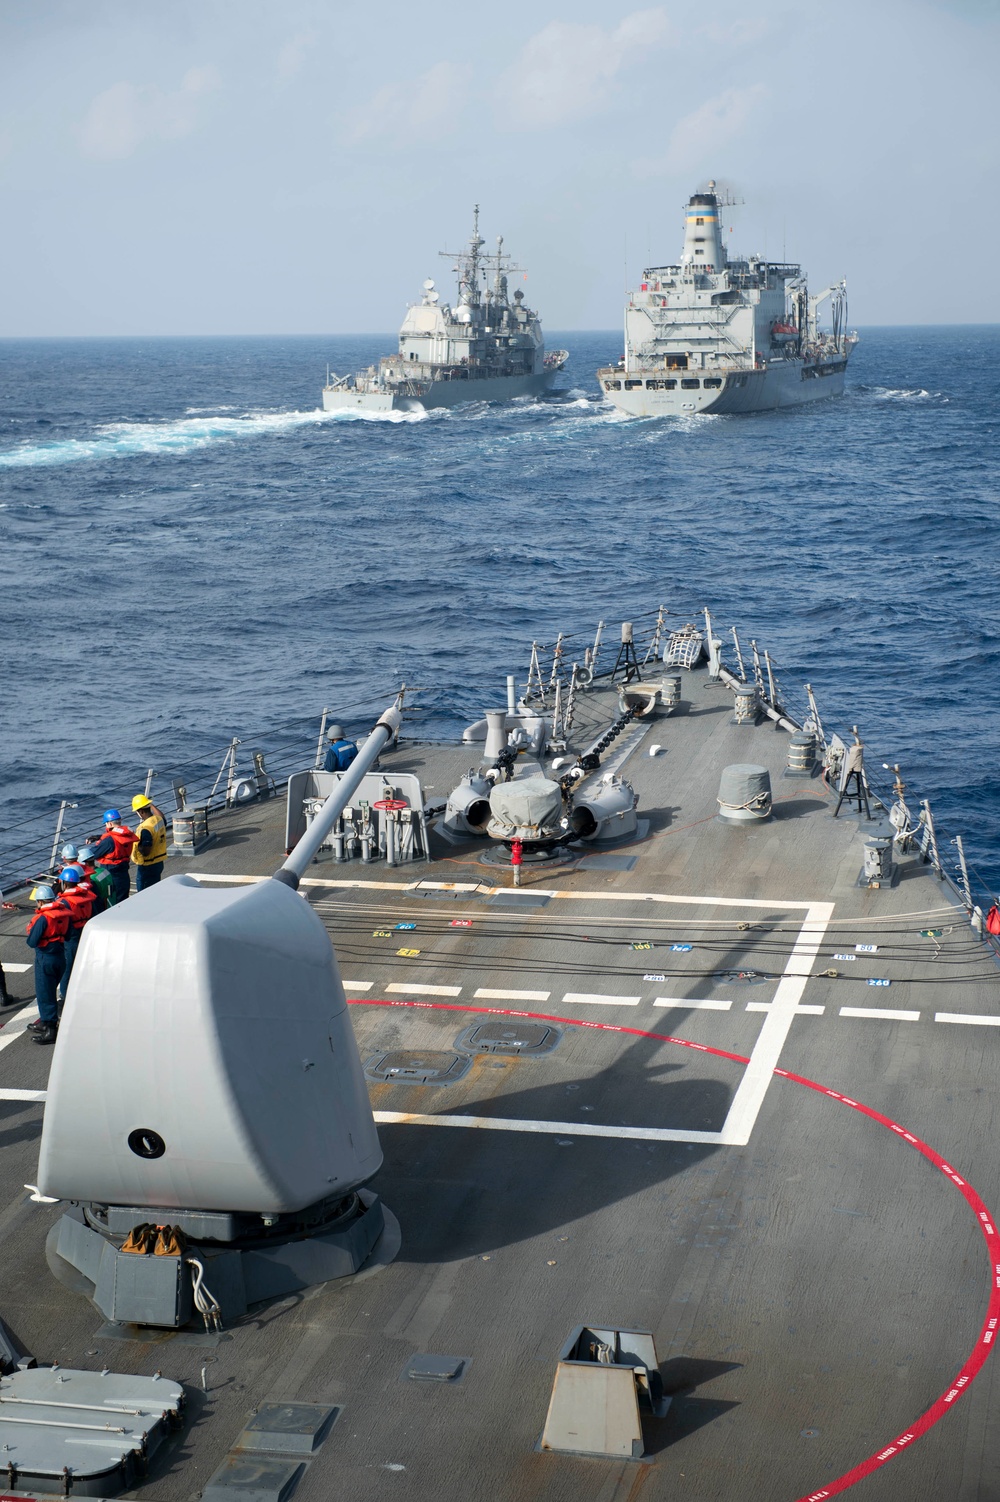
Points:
x=150, y=849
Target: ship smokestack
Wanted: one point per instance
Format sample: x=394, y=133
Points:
x=702, y=232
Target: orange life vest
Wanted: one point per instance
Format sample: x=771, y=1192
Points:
x=56, y=923
x=124, y=840
x=80, y=901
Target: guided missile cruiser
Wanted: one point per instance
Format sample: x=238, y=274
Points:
x=487, y=348
x=711, y=334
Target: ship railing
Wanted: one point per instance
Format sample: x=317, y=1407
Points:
x=252, y=766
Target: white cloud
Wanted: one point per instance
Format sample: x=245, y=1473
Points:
x=701, y=135
x=564, y=71
x=120, y=119
x=422, y=107
x=293, y=54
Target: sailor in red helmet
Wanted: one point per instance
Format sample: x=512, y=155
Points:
x=114, y=850
x=46, y=936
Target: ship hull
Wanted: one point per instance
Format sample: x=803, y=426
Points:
x=783, y=383
x=440, y=394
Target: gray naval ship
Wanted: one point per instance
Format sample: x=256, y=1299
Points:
x=603, y=1106
x=718, y=335
x=488, y=348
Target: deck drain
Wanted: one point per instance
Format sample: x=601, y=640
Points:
x=401, y=1066
x=523, y=1040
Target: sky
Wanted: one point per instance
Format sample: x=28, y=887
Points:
x=242, y=167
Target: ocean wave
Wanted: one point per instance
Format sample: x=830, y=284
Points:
x=122, y=440
x=902, y=394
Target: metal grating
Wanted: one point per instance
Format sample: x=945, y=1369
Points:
x=401, y=1066
x=519, y=1040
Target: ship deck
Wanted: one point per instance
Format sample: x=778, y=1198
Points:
x=725, y=1148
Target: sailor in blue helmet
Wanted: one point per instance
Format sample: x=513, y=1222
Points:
x=114, y=851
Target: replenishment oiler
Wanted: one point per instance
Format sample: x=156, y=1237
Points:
x=488, y=348
x=718, y=335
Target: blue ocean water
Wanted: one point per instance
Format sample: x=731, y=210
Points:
x=192, y=550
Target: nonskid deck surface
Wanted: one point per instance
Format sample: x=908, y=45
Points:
x=813, y=1281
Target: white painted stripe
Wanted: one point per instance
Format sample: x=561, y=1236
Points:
x=698, y=1006
x=970, y=1017
x=16, y=1027
x=486, y=993
x=23, y=1094
x=417, y=990
x=766, y=1053
x=765, y=1006
x=445, y=886
x=881, y=1012
x=15, y=969
x=358, y=985
x=549, y=1128
x=584, y=998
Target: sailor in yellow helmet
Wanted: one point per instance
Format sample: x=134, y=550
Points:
x=150, y=850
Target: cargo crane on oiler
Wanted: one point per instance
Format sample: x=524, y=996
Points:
x=713, y=334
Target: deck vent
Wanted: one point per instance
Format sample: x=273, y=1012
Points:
x=401, y=1066
x=523, y=1040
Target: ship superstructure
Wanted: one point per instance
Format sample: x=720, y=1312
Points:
x=711, y=334
x=488, y=347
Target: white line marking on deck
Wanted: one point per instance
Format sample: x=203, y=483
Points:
x=16, y=969
x=884, y=1013
x=765, y=1006
x=23, y=1094
x=418, y=990
x=358, y=985
x=766, y=1053
x=586, y=998
x=696, y=1005
x=486, y=993
x=17, y=1026
x=971, y=1017
x=550, y=1128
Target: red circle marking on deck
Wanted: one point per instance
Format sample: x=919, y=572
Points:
x=980, y=1351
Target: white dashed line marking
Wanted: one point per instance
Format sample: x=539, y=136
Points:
x=969, y=1017
x=698, y=1006
x=881, y=1012
x=586, y=998
x=486, y=993
x=419, y=990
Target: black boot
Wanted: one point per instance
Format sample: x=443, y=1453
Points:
x=45, y=1034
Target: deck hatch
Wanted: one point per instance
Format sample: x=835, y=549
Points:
x=426, y=1367
x=287, y=1428
x=519, y=1040
x=401, y=1066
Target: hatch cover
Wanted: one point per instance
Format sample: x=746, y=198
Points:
x=401, y=1066
x=521, y=1040
x=429, y=1368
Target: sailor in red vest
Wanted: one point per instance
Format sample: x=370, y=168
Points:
x=46, y=936
x=114, y=850
x=80, y=898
